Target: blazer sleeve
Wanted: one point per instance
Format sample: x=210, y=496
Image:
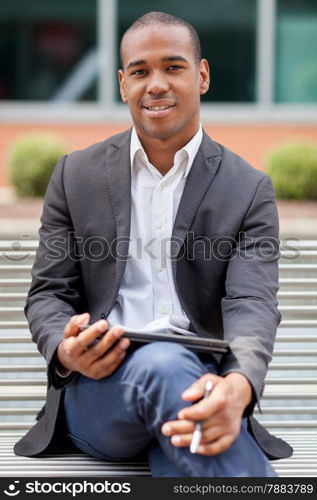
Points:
x=249, y=308
x=56, y=291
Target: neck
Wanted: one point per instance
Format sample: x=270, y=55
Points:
x=161, y=152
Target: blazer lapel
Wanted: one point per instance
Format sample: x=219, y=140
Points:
x=200, y=177
x=118, y=173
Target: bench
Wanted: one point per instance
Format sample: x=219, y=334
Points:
x=289, y=402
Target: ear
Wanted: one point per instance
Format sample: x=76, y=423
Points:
x=122, y=85
x=204, y=76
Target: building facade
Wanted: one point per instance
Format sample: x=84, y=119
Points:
x=59, y=60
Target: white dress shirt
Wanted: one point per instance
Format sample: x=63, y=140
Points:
x=147, y=292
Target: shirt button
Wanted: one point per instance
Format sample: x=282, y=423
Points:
x=163, y=183
x=160, y=226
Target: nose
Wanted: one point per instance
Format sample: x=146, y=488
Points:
x=158, y=84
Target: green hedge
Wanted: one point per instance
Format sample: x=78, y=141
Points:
x=31, y=162
x=293, y=170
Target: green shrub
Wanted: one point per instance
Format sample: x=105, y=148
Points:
x=31, y=162
x=293, y=170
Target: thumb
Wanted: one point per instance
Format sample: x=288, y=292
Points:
x=197, y=389
x=73, y=326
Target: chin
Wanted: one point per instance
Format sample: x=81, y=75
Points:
x=162, y=132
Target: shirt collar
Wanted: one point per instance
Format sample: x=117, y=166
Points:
x=190, y=149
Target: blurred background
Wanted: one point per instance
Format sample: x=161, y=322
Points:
x=59, y=92
x=58, y=77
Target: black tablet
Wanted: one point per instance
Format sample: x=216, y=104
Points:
x=194, y=343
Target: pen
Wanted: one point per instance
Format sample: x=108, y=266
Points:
x=198, y=427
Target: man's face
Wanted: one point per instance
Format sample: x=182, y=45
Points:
x=161, y=82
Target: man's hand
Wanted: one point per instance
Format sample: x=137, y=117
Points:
x=221, y=413
x=97, y=361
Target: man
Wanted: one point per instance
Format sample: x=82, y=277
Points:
x=164, y=181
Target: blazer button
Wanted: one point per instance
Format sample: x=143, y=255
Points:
x=102, y=316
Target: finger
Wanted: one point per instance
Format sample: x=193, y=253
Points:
x=107, y=342
x=218, y=446
x=204, y=409
x=110, y=354
x=73, y=326
x=212, y=433
x=90, y=334
x=185, y=429
x=107, y=365
x=81, y=340
x=197, y=389
x=181, y=440
x=177, y=427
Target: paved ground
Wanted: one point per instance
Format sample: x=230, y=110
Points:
x=297, y=219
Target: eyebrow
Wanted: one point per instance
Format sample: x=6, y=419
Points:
x=173, y=58
x=139, y=62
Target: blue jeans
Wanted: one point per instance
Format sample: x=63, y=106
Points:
x=120, y=416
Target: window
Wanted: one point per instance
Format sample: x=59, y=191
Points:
x=228, y=39
x=262, y=53
x=48, y=50
x=296, y=51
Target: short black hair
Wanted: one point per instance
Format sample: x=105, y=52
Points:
x=156, y=18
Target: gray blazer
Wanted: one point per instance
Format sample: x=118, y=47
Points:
x=224, y=259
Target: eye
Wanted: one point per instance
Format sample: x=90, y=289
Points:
x=139, y=72
x=174, y=67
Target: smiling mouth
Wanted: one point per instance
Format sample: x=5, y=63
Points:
x=159, y=108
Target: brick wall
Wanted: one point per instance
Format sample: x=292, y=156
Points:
x=251, y=142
